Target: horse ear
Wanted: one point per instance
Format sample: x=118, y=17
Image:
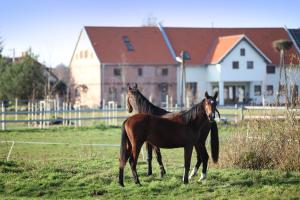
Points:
x=135, y=86
x=206, y=95
x=216, y=95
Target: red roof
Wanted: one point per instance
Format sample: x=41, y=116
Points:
x=147, y=42
x=200, y=42
x=223, y=46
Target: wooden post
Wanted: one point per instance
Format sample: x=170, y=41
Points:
x=79, y=116
x=70, y=113
x=115, y=113
x=236, y=113
x=16, y=109
x=28, y=113
x=242, y=113
x=32, y=115
x=3, y=116
x=41, y=115
x=35, y=113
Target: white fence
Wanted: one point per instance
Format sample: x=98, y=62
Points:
x=46, y=113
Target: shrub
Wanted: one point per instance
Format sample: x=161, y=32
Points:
x=264, y=144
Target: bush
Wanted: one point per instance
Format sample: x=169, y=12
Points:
x=264, y=144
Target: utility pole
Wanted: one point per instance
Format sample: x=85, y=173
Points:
x=181, y=60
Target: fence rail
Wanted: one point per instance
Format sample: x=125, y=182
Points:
x=45, y=113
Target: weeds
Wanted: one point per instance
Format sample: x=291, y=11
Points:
x=264, y=144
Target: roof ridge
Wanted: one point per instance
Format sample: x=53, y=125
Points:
x=229, y=36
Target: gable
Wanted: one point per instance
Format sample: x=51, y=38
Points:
x=84, y=52
x=225, y=45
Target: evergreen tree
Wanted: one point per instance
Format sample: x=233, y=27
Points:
x=23, y=79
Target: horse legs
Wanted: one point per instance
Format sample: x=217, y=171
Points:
x=133, y=162
x=204, y=156
x=199, y=160
x=149, y=158
x=188, y=150
x=159, y=160
x=123, y=159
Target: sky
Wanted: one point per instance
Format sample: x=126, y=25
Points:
x=51, y=27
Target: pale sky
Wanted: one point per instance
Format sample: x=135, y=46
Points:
x=51, y=27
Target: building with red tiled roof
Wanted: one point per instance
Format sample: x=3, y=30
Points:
x=239, y=62
x=107, y=58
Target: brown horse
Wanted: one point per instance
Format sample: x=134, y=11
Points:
x=181, y=130
x=138, y=103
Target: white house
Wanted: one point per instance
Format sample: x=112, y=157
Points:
x=240, y=63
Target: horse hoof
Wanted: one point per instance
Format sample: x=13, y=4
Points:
x=202, y=178
x=162, y=173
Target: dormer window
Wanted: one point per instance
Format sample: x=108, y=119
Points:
x=242, y=52
x=127, y=43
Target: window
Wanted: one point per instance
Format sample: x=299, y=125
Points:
x=270, y=69
x=127, y=43
x=242, y=52
x=81, y=54
x=270, y=90
x=235, y=64
x=125, y=39
x=257, y=90
x=85, y=53
x=117, y=72
x=164, y=72
x=112, y=91
x=129, y=47
x=140, y=71
x=282, y=89
x=250, y=64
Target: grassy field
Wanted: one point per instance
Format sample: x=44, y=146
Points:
x=76, y=171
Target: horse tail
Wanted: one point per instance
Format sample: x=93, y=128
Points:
x=214, y=142
x=124, y=142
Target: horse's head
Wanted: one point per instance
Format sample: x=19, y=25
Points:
x=210, y=106
x=131, y=97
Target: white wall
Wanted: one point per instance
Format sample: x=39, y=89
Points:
x=243, y=74
x=85, y=69
x=198, y=74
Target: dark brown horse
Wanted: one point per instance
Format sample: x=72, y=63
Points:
x=138, y=103
x=181, y=130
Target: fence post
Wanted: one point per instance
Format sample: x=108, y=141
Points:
x=35, y=114
x=3, y=116
x=16, y=109
x=242, y=113
x=41, y=115
x=115, y=113
x=28, y=113
x=79, y=115
x=70, y=113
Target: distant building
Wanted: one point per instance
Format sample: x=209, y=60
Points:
x=105, y=59
x=240, y=63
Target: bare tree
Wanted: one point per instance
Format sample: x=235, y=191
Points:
x=281, y=46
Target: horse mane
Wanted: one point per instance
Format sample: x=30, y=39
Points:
x=145, y=106
x=190, y=115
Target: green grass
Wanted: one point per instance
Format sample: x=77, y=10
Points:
x=73, y=171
